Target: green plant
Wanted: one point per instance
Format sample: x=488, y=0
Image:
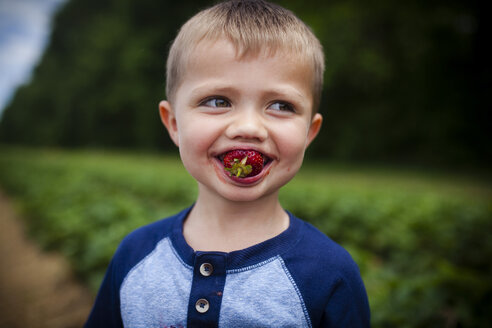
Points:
x=422, y=242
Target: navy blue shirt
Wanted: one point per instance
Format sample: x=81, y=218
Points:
x=300, y=278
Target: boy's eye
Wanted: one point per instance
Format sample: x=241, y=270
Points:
x=282, y=106
x=215, y=102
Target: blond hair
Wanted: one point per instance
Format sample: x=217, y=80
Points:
x=253, y=26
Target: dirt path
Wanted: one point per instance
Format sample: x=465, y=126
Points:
x=37, y=289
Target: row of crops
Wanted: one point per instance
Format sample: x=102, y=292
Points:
x=422, y=240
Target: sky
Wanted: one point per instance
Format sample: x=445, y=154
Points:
x=25, y=26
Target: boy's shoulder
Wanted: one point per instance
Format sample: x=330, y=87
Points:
x=317, y=246
x=319, y=267
x=150, y=233
x=142, y=241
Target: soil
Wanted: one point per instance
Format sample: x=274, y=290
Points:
x=37, y=289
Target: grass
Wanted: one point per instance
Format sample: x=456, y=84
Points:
x=421, y=238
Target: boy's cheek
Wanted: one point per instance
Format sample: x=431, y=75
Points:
x=292, y=140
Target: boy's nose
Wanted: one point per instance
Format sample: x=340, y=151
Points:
x=247, y=124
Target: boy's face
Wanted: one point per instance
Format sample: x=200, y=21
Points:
x=260, y=103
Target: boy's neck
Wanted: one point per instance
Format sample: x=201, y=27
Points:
x=218, y=224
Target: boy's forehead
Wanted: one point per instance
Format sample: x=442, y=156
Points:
x=244, y=52
x=204, y=50
x=222, y=53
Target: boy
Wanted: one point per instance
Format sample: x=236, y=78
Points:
x=243, y=86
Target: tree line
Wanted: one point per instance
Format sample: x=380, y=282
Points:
x=405, y=81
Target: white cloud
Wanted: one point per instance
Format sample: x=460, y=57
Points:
x=24, y=29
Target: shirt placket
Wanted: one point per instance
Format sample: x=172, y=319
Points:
x=209, y=274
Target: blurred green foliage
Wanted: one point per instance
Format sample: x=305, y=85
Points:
x=421, y=239
x=405, y=80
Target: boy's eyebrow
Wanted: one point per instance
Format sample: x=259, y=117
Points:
x=281, y=92
x=210, y=88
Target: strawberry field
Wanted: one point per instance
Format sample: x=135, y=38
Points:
x=422, y=239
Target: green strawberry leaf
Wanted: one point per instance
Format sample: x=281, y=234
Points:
x=240, y=169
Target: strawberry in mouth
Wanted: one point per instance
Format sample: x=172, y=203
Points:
x=243, y=163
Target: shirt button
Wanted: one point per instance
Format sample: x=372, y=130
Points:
x=202, y=305
x=206, y=269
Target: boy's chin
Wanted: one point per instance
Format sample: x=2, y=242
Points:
x=241, y=194
x=243, y=197
x=252, y=193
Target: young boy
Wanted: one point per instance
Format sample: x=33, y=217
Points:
x=243, y=86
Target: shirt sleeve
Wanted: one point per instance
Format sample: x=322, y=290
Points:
x=348, y=306
x=106, y=310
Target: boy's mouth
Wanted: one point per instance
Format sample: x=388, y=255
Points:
x=244, y=163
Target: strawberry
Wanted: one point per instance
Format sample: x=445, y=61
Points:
x=243, y=163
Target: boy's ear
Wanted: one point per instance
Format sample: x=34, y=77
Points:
x=169, y=120
x=314, y=128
